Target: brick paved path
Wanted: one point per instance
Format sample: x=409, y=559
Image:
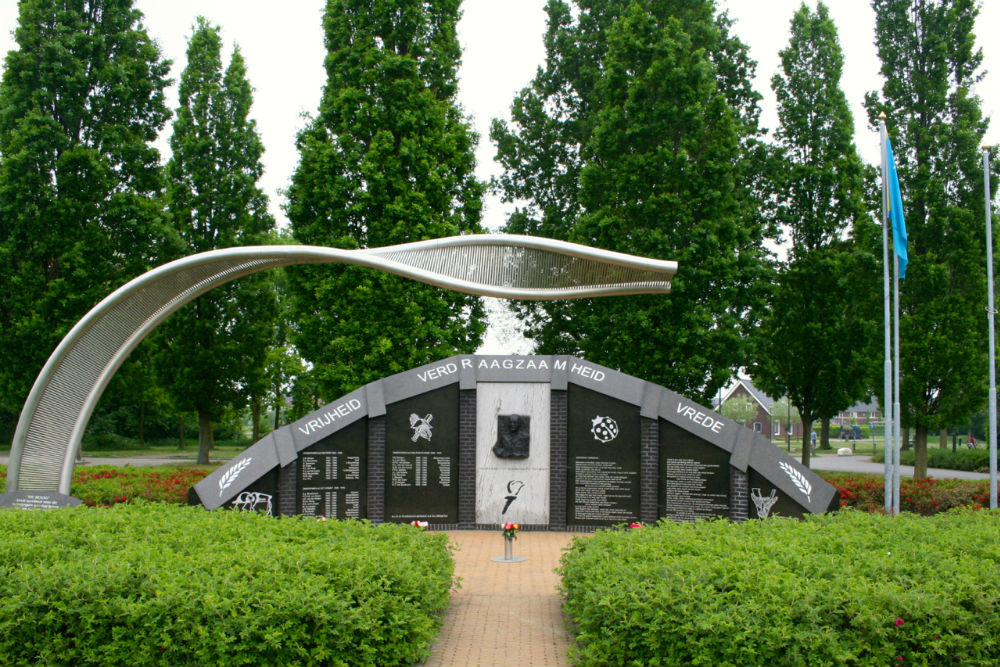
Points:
x=504, y=614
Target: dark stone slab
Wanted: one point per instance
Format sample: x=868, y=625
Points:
x=603, y=459
x=259, y=496
x=422, y=437
x=768, y=499
x=694, y=476
x=332, y=475
x=37, y=500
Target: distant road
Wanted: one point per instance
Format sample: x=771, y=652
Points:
x=131, y=460
x=832, y=462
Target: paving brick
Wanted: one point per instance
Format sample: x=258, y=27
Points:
x=504, y=614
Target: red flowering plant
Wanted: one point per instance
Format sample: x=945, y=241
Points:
x=510, y=530
x=422, y=525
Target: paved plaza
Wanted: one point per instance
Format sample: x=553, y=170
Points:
x=504, y=614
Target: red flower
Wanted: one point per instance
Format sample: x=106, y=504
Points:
x=899, y=622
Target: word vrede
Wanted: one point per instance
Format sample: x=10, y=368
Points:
x=700, y=418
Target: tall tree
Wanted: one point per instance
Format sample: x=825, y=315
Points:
x=812, y=343
x=81, y=103
x=215, y=347
x=636, y=136
x=931, y=65
x=388, y=159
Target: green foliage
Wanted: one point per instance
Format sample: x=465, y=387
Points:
x=154, y=584
x=931, y=66
x=817, y=186
x=108, y=485
x=211, y=350
x=388, y=159
x=81, y=103
x=976, y=460
x=844, y=589
x=920, y=496
x=639, y=134
x=740, y=408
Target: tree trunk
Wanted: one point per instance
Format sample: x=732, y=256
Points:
x=255, y=416
x=920, y=452
x=142, y=423
x=807, y=420
x=204, y=437
x=277, y=416
x=905, y=438
x=943, y=439
x=180, y=433
x=824, y=434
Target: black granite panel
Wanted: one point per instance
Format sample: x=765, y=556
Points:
x=333, y=475
x=422, y=436
x=694, y=476
x=603, y=459
x=260, y=496
x=767, y=500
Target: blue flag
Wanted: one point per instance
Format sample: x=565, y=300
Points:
x=896, y=211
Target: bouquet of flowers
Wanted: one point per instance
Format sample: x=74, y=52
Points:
x=422, y=525
x=510, y=530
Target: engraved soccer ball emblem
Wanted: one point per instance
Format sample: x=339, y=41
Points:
x=605, y=429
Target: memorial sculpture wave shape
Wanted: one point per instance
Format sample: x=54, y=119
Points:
x=66, y=391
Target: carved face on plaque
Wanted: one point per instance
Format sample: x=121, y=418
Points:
x=513, y=437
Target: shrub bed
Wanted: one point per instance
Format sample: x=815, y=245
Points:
x=845, y=589
x=975, y=460
x=109, y=485
x=157, y=584
x=921, y=496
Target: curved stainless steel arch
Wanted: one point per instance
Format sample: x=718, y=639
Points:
x=67, y=389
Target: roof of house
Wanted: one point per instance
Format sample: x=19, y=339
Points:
x=871, y=405
x=763, y=399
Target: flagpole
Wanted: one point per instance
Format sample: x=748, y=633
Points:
x=888, y=402
x=896, y=430
x=990, y=310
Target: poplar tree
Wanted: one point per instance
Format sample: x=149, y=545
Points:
x=81, y=103
x=388, y=159
x=812, y=338
x=637, y=136
x=931, y=67
x=215, y=348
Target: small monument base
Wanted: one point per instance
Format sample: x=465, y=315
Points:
x=508, y=554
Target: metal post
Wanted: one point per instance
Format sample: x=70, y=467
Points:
x=990, y=311
x=887, y=404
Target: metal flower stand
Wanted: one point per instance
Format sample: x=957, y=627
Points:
x=508, y=554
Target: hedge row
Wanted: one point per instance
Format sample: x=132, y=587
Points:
x=108, y=485
x=844, y=589
x=920, y=496
x=158, y=584
x=975, y=460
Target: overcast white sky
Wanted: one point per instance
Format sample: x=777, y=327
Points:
x=283, y=46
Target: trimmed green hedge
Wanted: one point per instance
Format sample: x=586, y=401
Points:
x=975, y=460
x=156, y=584
x=844, y=589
